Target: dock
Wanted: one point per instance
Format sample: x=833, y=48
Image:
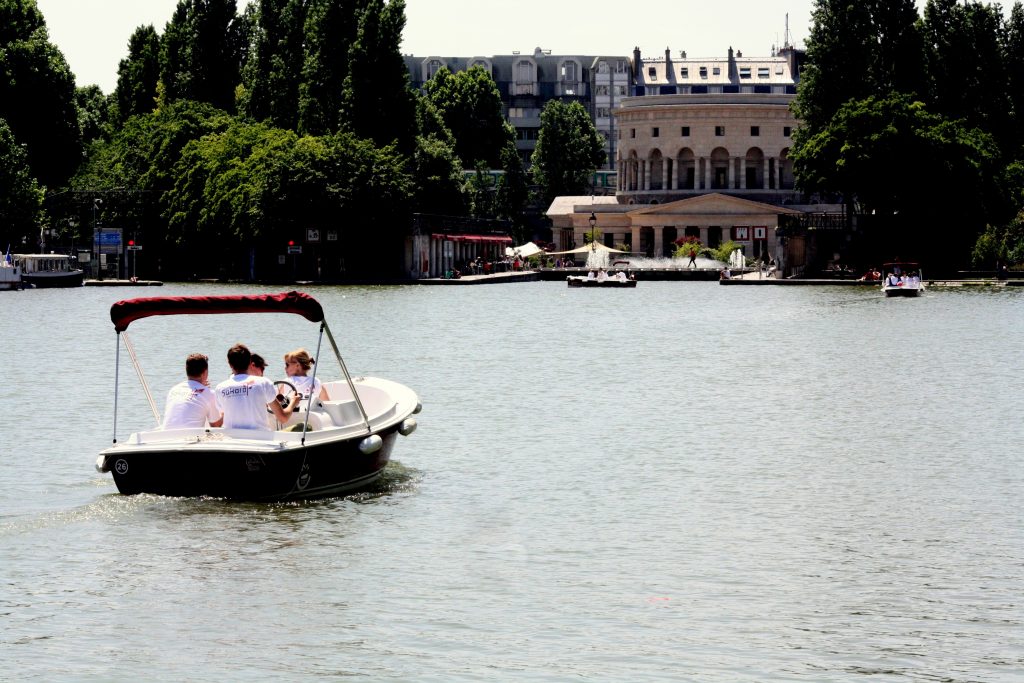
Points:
x=122, y=283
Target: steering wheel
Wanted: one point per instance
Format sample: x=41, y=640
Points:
x=282, y=397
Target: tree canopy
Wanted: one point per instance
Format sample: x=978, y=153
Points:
x=37, y=94
x=569, y=149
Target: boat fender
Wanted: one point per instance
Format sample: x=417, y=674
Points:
x=371, y=444
x=408, y=426
x=101, y=464
x=418, y=408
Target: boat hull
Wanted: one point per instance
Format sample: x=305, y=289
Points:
x=584, y=282
x=52, y=280
x=327, y=468
x=902, y=291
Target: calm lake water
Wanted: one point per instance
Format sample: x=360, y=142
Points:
x=678, y=482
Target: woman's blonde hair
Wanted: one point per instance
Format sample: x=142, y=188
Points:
x=301, y=356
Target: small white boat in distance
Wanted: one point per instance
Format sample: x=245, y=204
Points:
x=902, y=279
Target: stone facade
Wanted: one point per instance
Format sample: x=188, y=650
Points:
x=699, y=125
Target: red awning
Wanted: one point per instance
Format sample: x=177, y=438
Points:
x=487, y=239
x=123, y=313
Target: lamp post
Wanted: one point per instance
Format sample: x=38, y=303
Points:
x=97, y=237
x=593, y=236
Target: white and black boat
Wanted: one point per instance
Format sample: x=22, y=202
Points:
x=900, y=279
x=579, y=281
x=337, y=446
x=49, y=270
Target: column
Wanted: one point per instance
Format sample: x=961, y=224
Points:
x=648, y=164
x=634, y=231
x=732, y=173
x=659, y=240
x=767, y=173
x=664, y=173
x=707, y=173
x=743, y=173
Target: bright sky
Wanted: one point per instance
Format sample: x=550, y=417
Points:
x=93, y=34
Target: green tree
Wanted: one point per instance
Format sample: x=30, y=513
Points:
x=137, y=75
x=470, y=105
x=252, y=184
x=862, y=154
x=93, y=112
x=899, y=58
x=377, y=102
x=141, y=159
x=840, y=57
x=37, y=94
x=965, y=64
x=569, y=150
x=21, y=199
x=513, y=190
x=331, y=27
x=438, y=178
x=1013, y=58
x=200, y=53
x=273, y=73
x=437, y=172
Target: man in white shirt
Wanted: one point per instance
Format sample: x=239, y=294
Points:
x=191, y=403
x=244, y=398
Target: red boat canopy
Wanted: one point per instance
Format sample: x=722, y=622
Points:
x=123, y=313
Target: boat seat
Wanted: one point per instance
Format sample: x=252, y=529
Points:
x=343, y=413
x=316, y=420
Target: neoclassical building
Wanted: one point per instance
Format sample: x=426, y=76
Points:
x=698, y=125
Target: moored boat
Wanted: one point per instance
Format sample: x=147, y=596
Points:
x=49, y=270
x=10, y=275
x=327, y=448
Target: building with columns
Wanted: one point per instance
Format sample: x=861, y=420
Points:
x=702, y=151
x=698, y=125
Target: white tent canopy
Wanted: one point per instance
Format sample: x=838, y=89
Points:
x=586, y=248
x=524, y=250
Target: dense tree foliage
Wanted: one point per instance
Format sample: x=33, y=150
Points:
x=899, y=110
x=201, y=53
x=244, y=131
x=840, y=50
x=331, y=27
x=20, y=196
x=377, y=102
x=137, y=75
x=93, y=112
x=37, y=94
x=470, y=106
x=569, y=149
x=273, y=73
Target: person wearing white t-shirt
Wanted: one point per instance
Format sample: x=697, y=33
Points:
x=296, y=364
x=244, y=398
x=191, y=403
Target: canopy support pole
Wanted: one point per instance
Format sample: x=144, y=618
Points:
x=309, y=402
x=117, y=370
x=142, y=379
x=348, y=377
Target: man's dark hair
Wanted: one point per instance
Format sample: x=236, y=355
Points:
x=239, y=358
x=257, y=361
x=196, y=364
